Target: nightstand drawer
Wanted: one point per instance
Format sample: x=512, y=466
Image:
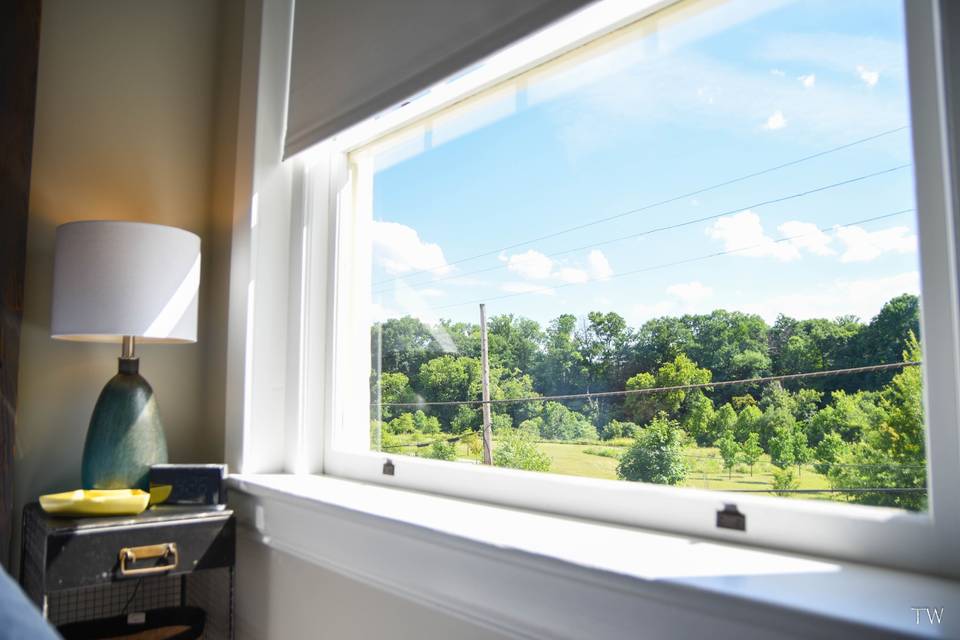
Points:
x=86, y=558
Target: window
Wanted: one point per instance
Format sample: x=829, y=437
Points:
x=696, y=240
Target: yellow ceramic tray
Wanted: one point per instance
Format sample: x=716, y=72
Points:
x=96, y=502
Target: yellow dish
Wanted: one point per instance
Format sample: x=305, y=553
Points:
x=96, y=502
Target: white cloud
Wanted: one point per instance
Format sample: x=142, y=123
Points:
x=399, y=249
x=530, y=265
x=743, y=233
x=807, y=236
x=527, y=287
x=775, y=121
x=684, y=297
x=861, y=245
x=777, y=72
x=862, y=298
x=600, y=268
x=690, y=292
x=572, y=275
x=430, y=293
x=808, y=80
x=869, y=77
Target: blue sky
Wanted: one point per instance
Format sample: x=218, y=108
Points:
x=708, y=97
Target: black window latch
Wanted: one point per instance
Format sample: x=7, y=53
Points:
x=730, y=518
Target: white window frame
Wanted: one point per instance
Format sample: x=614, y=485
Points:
x=328, y=337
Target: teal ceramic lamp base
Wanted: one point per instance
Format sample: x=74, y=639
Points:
x=125, y=435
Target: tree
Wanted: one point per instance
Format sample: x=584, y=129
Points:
x=516, y=449
x=514, y=342
x=403, y=345
x=698, y=418
x=605, y=342
x=426, y=424
x=729, y=451
x=724, y=420
x=751, y=451
x=661, y=340
x=618, y=429
x=828, y=452
x=403, y=423
x=450, y=378
x=560, y=423
x=891, y=453
x=657, y=454
x=561, y=369
x=682, y=371
x=442, y=450
x=748, y=423
x=782, y=446
x=729, y=343
x=388, y=388
x=784, y=482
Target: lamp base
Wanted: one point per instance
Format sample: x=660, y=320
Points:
x=125, y=435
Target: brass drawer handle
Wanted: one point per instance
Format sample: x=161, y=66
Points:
x=167, y=551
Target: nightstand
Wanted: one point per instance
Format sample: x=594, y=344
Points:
x=80, y=569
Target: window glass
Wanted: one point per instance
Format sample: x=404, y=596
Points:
x=695, y=242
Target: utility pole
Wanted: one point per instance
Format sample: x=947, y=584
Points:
x=485, y=379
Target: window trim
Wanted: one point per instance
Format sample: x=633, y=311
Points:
x=321, y=184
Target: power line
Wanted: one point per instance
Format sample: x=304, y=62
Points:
x=666, y=265
x=678, y=225
x=652, y=205
x=682, y=387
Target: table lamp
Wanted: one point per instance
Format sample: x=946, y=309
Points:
x=124, y=282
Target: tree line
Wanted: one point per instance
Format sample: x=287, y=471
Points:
x=861, y=431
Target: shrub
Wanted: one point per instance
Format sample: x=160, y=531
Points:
x=517, y=450
x=784, y=482
x=657, y=454
x=603, y=452
x=442, y=450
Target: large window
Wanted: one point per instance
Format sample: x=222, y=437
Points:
x=681, y=250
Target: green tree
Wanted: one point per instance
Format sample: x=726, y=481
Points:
x=729, y=451
x=751, y=451
x=782, y=446
x=450, y=378
x=828, y=452
x=657, y=454
x=561, y=368
x=699, y=417
x=724, y=420
x=387, y=388
x=403, y=423
x=618, y=429
x=784, y=482
x=560, y=423
x=748, y=422
x=682, y=371
x=891, y=453
x=442, y=450
x=516, y=449
x=403, y=345
x=465, y=419
x=426, y=424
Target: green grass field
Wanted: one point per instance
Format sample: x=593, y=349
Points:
x=704, y=464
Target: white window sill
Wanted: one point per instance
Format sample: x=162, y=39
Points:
x=532, y=575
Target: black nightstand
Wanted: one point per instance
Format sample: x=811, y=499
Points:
x=78, y=569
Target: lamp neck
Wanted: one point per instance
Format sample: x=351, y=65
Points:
x=129, y=348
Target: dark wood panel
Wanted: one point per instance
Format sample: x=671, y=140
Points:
x=19, y=47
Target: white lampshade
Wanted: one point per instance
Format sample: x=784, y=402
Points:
x=113, y=279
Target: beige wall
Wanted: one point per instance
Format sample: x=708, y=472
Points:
x=127, y=127
x=279, y=596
